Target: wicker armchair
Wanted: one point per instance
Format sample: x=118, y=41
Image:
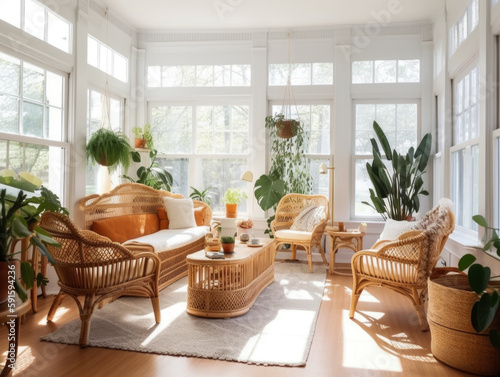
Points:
x=289, y=207
x=92, y=266
x=404, y=265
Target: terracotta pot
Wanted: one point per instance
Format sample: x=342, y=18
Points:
x=228, y=248
x=231, y=210
x=104, y=162
x=285, y=130
x=139, y=143
x=453, y=339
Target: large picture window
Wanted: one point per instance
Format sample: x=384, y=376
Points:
x=399, y=121
x=32, y=118
x=211, y=140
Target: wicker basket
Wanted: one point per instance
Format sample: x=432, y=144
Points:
x=453, y=339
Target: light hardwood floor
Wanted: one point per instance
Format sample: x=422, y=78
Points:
x=382, y=340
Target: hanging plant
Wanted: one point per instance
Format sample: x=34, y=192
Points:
x=111, y=149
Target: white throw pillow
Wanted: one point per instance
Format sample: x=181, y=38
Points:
x=308, y=219
x=180, y=213
x=393, y=229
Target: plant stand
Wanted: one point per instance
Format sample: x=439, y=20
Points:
x=453, y=339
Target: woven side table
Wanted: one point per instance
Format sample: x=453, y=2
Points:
x=224, y=288
x=340, y=240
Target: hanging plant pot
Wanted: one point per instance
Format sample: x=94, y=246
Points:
x=286, y=128
x=106, y=161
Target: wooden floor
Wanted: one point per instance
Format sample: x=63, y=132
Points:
x=382, y=340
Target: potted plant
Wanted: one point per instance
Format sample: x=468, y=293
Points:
x=204, y=196
x=463, y=311
x=153, y=175
x=285, y=128
x=143, y=137
x=111, y=149
x=19, y=216
x=227, y=244
x=232, y=197
x=397, y=186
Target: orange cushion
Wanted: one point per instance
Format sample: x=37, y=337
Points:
x=126, y=227
x=162, y=215
x=199, y=216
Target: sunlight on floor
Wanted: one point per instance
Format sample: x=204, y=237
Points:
x=370, y=356
x=281, y=337
x=168, y=315
x=24, y=359
x=59, y=313
x=365, y=296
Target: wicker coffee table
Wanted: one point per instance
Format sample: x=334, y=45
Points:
x=224, y=288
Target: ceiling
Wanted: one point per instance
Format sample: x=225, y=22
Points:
x=264, y=14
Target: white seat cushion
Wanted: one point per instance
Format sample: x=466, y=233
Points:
x=290, y=234
x=168, y=239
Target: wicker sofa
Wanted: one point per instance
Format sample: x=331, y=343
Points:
x=139, y=204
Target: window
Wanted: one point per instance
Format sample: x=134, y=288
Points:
x=315, y=119
x=399, y=121
x=39, y=21
x=199, y=75
x=211, y=140
x=497, y=179
x=464, y=26
x=106, y=59
x=465, y=150
x=385, y=71
x=32, y=118
x=301, y=74
x=94, y=122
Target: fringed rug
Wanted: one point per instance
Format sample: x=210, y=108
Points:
x=278, y=329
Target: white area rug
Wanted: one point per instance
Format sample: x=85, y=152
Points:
x=278, y=329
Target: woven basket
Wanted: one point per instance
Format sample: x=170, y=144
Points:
x=284, y=129
x=453, y=339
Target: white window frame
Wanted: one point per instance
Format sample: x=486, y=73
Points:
x=57, y=177
x=466, y=145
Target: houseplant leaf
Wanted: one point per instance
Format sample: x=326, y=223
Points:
x=479, y=278
x=466, y=261
x=484, y=311
x=383, y=140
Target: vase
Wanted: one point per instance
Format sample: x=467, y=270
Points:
x=453, y=339
x=231, y=210
x=240, y=231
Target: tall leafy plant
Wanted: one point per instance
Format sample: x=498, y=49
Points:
x=398, y=183
x=486, y=307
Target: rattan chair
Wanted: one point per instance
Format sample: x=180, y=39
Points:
x=404, y=265
x=92, y=266
x=289, y=207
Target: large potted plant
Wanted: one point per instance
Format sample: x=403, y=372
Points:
x=19, y=216
x=397, y=185
x=153, y=175
x=463, y=312
x=232, y=197
x=111, y=149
